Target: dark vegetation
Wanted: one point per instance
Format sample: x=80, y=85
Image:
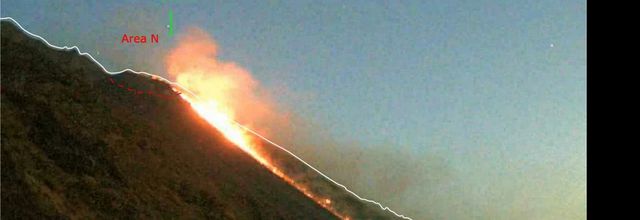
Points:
x=75, y=146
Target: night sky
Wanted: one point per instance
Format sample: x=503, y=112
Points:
x=454, y=109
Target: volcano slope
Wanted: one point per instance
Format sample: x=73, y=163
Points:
x=77, y=145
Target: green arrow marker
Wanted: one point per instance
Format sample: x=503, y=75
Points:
x=170, y=33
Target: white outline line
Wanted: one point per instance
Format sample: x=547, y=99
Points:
x=182, y=88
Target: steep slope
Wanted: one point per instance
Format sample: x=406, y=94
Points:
x=79, y=143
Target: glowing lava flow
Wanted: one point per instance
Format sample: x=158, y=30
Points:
x=223, y=93
x=217, y=117
x=221, y=118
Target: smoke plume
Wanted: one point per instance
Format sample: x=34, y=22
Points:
x=381, y=173
x=194, y=63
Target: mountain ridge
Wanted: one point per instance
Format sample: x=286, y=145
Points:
x=139, y=95
x=74, y=146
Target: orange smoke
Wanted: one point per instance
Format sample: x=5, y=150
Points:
x=195, y=65
x=224, y=93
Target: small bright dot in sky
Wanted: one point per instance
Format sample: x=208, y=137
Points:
x=434, y=94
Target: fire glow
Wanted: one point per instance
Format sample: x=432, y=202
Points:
x=224, y=94
x=235, y=133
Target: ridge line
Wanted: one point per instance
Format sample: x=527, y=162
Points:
x=383, y=208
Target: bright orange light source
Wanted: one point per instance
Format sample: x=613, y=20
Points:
x=222, y=93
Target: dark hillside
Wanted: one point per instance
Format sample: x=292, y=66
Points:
x=78, y=143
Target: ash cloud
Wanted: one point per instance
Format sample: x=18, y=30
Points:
x=383, y=173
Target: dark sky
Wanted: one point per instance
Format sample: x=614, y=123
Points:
x=476, y=109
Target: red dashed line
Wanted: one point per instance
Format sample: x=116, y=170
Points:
x=139, y=92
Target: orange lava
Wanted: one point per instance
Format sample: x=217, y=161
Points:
x=223, y=93
x=216, y=116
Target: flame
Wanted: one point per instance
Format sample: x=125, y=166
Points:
x=223, y=93
x=220, y=117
